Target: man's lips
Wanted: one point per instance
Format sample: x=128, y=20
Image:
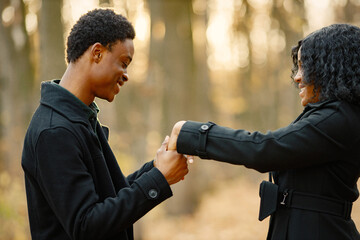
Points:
x=120, y=82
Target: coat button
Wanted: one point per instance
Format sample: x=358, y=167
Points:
x=204, y=127
x=153, y=193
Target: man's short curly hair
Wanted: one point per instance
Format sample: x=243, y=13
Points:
x=331, y=61
x=99, y=25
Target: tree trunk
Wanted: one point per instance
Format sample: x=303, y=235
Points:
x=184, y=90
x=52, y=55
x=17, y=75
x=287, y=99
x=105, y=3
x=347, y=13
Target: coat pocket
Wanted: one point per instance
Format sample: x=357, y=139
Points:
x=269, y=198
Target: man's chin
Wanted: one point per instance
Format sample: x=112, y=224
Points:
x=111, y=99
x=108, y=99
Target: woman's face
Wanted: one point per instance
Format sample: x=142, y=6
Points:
x=306, y=94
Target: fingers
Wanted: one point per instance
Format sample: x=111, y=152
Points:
x=180, y=170
x=163, y=148
x=183, y=174
x=190, y=158
x=172, y=165
x=186, y=169
x=165, y=143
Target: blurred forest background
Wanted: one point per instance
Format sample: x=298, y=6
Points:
x=227, y=61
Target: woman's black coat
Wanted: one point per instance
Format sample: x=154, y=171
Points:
x=319, y=153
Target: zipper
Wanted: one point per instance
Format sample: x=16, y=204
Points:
x=285, y=194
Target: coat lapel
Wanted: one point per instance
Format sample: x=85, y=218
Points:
x=117, y=177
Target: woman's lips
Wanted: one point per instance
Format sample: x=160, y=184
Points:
x=301, y=91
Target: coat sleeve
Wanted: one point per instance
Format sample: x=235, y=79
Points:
x=311, y=141
x=145, y=168
x=69, y=189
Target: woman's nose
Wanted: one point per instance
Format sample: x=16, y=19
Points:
x=298, y=77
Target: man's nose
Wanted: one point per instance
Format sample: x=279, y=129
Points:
x=125, y=77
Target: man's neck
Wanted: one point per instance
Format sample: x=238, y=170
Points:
x=75, y=81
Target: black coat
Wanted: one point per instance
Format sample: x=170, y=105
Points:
x=319, y=153
x=74, y=186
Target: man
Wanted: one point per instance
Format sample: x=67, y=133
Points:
x=75, y=188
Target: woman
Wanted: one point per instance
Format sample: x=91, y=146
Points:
x=315, y=161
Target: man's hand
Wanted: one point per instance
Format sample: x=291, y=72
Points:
x=170, y=163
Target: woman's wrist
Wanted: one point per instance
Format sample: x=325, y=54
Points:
x=174, y=135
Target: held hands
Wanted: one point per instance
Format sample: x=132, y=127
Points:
x=170, y=163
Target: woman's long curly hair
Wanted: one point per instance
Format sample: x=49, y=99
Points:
x=331, y=61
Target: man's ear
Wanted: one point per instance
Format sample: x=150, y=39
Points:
x=96, y=51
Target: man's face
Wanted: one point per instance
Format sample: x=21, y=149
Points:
x=110, y=72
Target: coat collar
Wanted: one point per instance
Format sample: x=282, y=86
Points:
x=318, y=104
x=65, y=103
x=311, y=107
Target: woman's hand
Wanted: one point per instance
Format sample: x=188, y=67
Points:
x=174, y=135
x=173, y=139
